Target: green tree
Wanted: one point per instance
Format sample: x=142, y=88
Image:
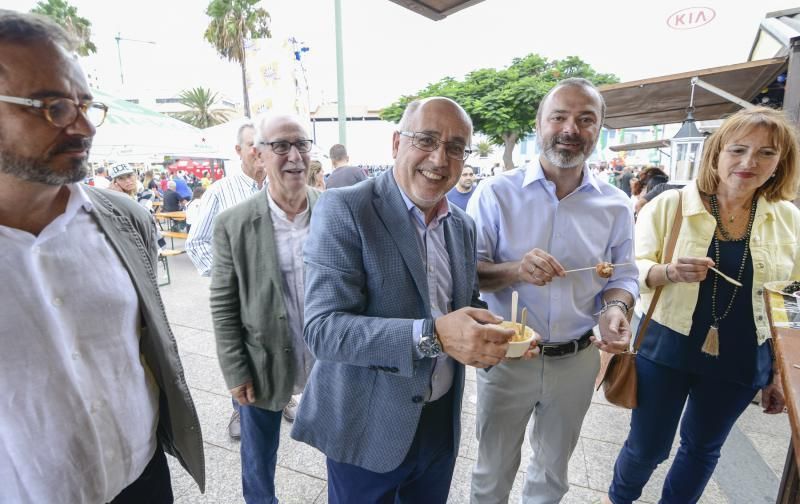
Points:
x=200, y=100
x=67, y=16
x=232, y=22
x=503, y=103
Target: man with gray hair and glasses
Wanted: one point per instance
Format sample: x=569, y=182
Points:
x=92, y=398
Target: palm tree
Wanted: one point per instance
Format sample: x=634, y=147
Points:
x=200, y=100
x=233, y=21
x=67, y=16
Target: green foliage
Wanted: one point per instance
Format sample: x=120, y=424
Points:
x=232, y=22
x=484, y=148
x=503, y=103
x=67, y=17
x=200, y=100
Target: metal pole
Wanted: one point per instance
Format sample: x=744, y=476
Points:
x=119, y=57
x=340, y=75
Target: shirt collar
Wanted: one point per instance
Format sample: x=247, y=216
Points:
x=250, y=182
x=77, y=199
x=534, y=172
x=442, y=208
x=279, y=211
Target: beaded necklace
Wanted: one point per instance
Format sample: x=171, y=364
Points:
x=711, y=345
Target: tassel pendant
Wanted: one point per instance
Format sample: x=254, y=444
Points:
x=711, y=345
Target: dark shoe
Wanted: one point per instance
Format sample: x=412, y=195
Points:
x=290, y=410
x=234, y=427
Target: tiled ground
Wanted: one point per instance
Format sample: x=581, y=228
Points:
x=301, y=469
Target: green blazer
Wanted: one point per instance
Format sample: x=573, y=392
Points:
x=247, y=304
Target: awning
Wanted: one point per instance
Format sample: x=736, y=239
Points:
x=436, y=9
x=653, y=144
x=663, y=100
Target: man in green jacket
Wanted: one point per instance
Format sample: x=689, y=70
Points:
x=257, y=298
x=93, y=388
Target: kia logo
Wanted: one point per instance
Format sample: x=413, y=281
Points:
x=691, y=17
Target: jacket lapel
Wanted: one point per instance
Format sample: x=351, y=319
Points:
x=453, y=233
x=392, y=210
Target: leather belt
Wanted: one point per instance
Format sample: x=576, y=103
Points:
x=567, y=347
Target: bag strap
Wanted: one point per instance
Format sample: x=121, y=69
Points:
x=668, y=251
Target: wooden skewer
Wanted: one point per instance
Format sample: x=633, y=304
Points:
x=514, y=303
x=595, y=267
x=523, y=330
x=726, y=277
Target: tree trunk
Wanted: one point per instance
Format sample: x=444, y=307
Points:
x=509, y=141
x=246, y=97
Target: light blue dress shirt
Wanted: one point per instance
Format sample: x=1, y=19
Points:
x=433, y=252
x=518, y=211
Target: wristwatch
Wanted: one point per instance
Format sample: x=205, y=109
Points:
x=429, y=345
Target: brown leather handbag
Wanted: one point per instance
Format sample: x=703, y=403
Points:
x=618, y=371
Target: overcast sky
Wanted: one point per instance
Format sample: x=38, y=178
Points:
x=389, y=50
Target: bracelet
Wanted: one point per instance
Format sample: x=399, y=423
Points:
x=622, y=305
x=666, y=273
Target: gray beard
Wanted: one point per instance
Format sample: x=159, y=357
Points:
x=36, y=170
x=563, y=159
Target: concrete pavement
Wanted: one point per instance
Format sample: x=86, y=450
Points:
x=754, y=453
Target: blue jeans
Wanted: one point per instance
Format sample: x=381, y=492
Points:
x=711, y=410
x=261, y=433
x=423, y=476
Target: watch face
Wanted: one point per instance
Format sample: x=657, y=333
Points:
x=429, y=347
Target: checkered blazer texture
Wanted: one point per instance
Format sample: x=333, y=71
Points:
x=365, y=286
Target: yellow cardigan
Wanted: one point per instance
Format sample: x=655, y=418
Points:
x=773, y=248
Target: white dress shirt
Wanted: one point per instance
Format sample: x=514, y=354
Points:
x=290, y=236
x=79, y=410
x=220, y=196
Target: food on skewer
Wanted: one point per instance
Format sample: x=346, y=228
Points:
x=792, y=288
x=604, y=269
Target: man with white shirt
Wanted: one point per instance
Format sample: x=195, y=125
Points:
x=533, y=224
x=220, y=196
x=257, y=299
x=93, y=388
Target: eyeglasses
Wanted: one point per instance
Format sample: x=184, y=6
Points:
x=61, y=112
x=430, y=143
x=283, y=147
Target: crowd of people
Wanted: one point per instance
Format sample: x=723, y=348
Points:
x=355, y=311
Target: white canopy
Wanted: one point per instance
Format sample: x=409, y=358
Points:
x=133, y=133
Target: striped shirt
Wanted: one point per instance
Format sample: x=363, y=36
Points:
x=220, y=196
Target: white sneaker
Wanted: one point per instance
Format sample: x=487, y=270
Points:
x=290, y=410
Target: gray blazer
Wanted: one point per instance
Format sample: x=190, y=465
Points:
x=247, y=305
x=131, y=231
x=365, y=286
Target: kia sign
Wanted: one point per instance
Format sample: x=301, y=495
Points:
x=690, y=17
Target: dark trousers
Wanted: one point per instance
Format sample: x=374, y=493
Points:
x=423, y=476
x=711, y=411
x=261, y=433
x=153, y=486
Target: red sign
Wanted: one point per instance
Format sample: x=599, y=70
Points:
x=691, y=17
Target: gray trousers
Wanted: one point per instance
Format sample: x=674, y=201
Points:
x=558, y=392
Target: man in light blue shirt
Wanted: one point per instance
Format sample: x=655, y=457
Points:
x=534, y=224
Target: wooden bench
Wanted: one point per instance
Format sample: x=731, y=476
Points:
x=174, y=234
x=163, y=256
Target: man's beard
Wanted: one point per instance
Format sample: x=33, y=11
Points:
x=562, y=158
x=39, y=170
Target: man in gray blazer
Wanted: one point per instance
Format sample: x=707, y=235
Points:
x=392, y=315
x=257, y=298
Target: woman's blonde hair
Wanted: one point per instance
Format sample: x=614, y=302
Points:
x=783, y=186
x=314, y=167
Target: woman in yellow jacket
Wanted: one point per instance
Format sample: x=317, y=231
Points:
x=708, y=344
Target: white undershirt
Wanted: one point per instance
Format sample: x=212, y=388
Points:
x=290, y=236
x=78, y=412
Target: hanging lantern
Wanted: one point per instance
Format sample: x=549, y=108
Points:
x=686, y=148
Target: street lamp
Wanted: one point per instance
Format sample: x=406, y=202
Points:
x=118, y=38
x=686, y=148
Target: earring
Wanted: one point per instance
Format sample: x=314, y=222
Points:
x=773, y=175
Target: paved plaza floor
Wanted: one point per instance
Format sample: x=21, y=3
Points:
x=748, y=473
